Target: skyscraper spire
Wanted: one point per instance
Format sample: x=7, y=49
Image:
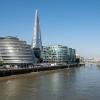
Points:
x=37, y=43
x=36, y=40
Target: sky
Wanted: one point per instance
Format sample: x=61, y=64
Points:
x=73, y=23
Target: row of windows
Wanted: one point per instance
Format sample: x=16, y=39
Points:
x=56, y=59
x=17, y=58
x=55, y=51
x=48, y=61
x=60, y=56
x=14, y=45
x=17, y=61
x=10, y=52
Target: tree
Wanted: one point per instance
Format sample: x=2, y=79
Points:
x=77, y=60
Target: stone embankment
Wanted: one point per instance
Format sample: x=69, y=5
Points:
x=15, y=71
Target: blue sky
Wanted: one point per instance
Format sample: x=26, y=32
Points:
x=74, y=23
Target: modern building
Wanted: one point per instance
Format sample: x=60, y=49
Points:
x=55, y=54
x=52, y=54
x=36, y=40
x=15, y=52
x=72, y=55
x=80, y=59
x=58, y=54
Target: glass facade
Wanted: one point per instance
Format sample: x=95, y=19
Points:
x=58, y=54
x=55, y=54
x=72, y=55
x=15, y=52
x=37, y=42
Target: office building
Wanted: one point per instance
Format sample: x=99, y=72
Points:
x=36, y=40
x=55, y=54
x=15, y=52
x=72, y=55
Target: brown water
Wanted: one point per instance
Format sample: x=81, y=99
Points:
x=81, y=83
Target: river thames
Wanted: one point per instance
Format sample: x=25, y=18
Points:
x=80, y=83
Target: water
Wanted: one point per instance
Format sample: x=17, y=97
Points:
x=81, y=83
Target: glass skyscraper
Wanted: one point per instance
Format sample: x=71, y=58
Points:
x=36, y=40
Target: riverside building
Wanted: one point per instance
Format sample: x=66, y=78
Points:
x=15, y=52
x=72, y=55
x=50, y=54
x=57, y=54
x=36, y=39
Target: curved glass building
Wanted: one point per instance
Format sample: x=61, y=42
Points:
x=15, y=52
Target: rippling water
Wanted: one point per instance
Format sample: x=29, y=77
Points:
x=81, y=83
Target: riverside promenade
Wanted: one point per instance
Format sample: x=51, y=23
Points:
x=36, y=68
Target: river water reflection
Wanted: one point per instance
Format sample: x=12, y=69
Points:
x=81, y=83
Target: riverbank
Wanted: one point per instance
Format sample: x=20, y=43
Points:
x=32, y=74
x=35, y=69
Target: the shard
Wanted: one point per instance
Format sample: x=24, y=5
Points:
x=36, y=40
